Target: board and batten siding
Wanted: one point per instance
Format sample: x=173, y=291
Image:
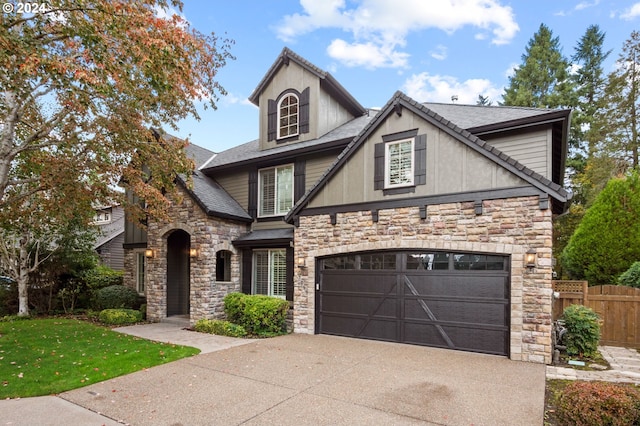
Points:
x=531, y=149
x=316, y=167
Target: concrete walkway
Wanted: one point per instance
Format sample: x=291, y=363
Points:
x=625, y=367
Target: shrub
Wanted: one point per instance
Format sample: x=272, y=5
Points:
x=220, y=327
x=583, y=331
x=598, y=403
x=120, y=316
x=259, y=315
x=631, y=277
x=116, y=296
x=102, y=276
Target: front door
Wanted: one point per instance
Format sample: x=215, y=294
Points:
x=178, y=245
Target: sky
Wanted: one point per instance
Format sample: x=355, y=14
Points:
x=431, y=50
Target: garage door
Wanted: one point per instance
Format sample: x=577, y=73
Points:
x=443, y=299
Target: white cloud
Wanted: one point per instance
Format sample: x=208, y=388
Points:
x=586, y=4
x=380, y=27
x=368, y=55
x=439, y=53
x=631, y=13
x=425, y=87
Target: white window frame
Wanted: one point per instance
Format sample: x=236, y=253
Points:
x=271, y=273
x=387, y=163
x=276, y=207
x=280, y=117
x=141, y=276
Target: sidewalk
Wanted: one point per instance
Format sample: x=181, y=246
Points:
x=625, y=367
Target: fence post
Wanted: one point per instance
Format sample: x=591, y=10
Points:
x=585, y=292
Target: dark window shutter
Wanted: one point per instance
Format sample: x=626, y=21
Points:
x=247, y=270
x=299, y=176
x=378, y=166
x=289, y=261
x=272, y=120
x=253, y=193
x=304, y=111
x=420, y=168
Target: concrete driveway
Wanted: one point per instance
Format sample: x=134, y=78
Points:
x=324, y=380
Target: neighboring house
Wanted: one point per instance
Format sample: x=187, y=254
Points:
x=108, y=245
x=428, y=224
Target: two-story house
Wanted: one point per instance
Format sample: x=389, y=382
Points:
x=418, y=223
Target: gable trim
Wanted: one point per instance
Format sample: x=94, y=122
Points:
x=478, y=145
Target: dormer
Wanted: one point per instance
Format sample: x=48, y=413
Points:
x=299, y=102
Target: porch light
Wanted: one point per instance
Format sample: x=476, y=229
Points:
x=193, y=252
x=301, y=262
x=530, y=258
x=148, y=253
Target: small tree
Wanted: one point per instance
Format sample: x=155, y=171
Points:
x=607, y=241
x=631, y=277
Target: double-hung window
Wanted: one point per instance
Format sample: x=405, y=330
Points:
x=276, y=190
x=399, y=163
x=270, y=272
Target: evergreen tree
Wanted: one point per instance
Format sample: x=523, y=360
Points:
x=542, y=80
x=607, y=241
x=483, y=101
x=622, y=104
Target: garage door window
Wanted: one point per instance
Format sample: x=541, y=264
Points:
x=270, y=272
x=478, y=262
x=426, y=261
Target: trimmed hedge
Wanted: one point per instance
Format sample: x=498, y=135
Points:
x=259, y=315
x=120, y=316
x=116, y=296
x=598, y=403
x=220, y=327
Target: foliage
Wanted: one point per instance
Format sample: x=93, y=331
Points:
x=563, y=227
x=120, y=316
x=102, y=276
x=258, y=314
x=607, y=241
x=220, y=327
x=542, y=80
x=622, y=103
x=583, y=331
x=115, y=297
x=598, y=403
x=631, y=277
x=81, y=93
x=50, y=356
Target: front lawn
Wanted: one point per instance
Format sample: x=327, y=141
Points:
x=49, y=356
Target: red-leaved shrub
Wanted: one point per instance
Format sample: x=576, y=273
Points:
x=598, y=404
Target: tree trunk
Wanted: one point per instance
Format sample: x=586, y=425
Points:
x=23, y=283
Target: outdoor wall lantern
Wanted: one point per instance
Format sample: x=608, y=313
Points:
x=301, y=262
x=148, y=253
x=530, y=259
x=193, y=252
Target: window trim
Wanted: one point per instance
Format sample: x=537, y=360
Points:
x=387, y=159
x=276, y=213
x=279, y=116
x=270, y=272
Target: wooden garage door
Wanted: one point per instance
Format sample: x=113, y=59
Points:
x=443, y=299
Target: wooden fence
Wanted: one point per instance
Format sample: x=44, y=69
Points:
x=617, y=306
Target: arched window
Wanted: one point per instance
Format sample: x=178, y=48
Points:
x=288, y=116
x=223, y=265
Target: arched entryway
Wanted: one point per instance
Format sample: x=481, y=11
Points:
x=178, y=244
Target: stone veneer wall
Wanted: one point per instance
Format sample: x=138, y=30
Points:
x=208, y=235
x=509, y=226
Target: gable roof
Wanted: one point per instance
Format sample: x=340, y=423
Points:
x=209, y=195
x=250, y=151
x=399, y=101
x=327, y=82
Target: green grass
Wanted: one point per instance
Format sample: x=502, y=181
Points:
x=49, y=356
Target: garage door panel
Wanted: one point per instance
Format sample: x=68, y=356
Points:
x=469, y=339
x=455, y=311
x=484, y=286
x=378, y=329
x=360, y=305
x=352, y=282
